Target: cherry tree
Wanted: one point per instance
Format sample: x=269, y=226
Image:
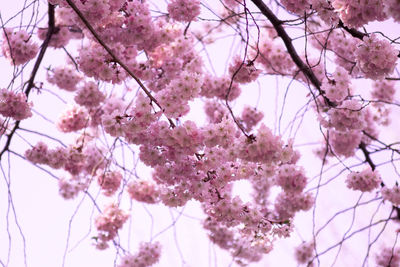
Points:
x=263, y=122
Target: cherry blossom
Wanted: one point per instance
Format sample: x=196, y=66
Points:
x=14, y=105
x=376, y=58
x=365, y=181
x=18, y=47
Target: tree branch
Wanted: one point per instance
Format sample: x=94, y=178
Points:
x=366, y=153
x=353, y=32
x=43, y=49
x=31, y=80
x=307, y=71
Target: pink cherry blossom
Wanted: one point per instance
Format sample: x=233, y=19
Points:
x=376, y=58
x=184, y=10
x=365, y=181
x=18, y=47
x=14, y=105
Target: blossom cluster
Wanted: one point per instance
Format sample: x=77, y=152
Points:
x=348, y=116
x=75, y=160
x=392, y=9
x=337, y=87
x=220, y=87
x=245, y=249
x=243, y=72
x=325, y=11
x=291, y=178
x=215, y=111
x=364, y=181
x=341, y=44
x=60, y=37
x=391, y=194
x=73, y=119
x=14, y=105
x=383, y=90
x=175, y=97
x=18, y=46
x=305, y=252
x=109, y=181
x=295, y=6
x=144, y=191
x=388, y=257
x=344, y=143
x=356, y=14
x=182, y=173
x=184, y=10
x=251, y=117
x=266, y=147
x=287, y=204
x=95, y=62
x=130, y=123
x=69, y=187
x=65, y=77
x=345, y=124
x=89, y=95
x=274, y=58
x=108, y=223
x=148, y=255
x=376, y=58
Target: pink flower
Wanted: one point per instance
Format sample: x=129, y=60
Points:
x=73, y=119
x=144, y=191
x=355, y=14
x=65, y=77
x=250, y=117
x=18, y=47
x=296, y=6
x=243, y=72
x=376, y=58
x=38, y=154
x=14, y=105
x=89, y=95
x=110, y=221
x=305, y=252
x=291, y=178
x=391, y=194
x=184, y=10
x=388, y=257
x=148, y=255
x=109, y=181
x=365, y=181
x=337, y=88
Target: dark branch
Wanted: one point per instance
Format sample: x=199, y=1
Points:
x=43, y=49
x=307, y=71
x=366, y=153
x=353, y=32
x=31, y=80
